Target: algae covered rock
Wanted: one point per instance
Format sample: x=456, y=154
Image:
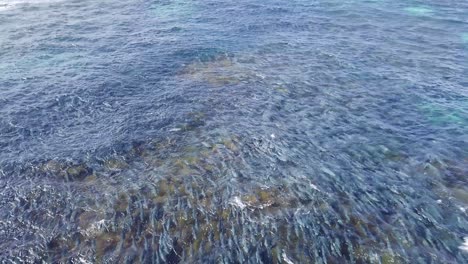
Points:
x=66, y=170
x=221, y=72
x=78, y=172
x=115, y=164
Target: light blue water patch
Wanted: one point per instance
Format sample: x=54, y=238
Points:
x=440, y=115
x=365, y=2
x=464, y=37
x=173, y=10
x=40, y=64
x=419, y=11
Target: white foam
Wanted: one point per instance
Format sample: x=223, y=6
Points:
x=237, y=202
x=96, y=228
x=286, y=259
x=6, y=4
x=314, y=187
x=17, y=2
x=83, y=261
x=464, y=246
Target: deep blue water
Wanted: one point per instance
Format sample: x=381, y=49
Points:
x=248, y=131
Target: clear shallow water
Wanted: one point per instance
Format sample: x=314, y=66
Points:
x=213, y=131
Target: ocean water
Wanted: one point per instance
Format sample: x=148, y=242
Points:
x=214, y=131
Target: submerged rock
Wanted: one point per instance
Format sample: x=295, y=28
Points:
x=106, y=243
x=66, y=170
x=78, y=172
x=281, y=89
x=460, y=194
x=115, y=164
x=221, y=72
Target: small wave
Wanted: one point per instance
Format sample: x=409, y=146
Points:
x=464, y=246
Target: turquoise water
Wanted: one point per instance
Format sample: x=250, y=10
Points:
x=233, y=132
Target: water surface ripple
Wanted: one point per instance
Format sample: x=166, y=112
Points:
x=178, y=131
